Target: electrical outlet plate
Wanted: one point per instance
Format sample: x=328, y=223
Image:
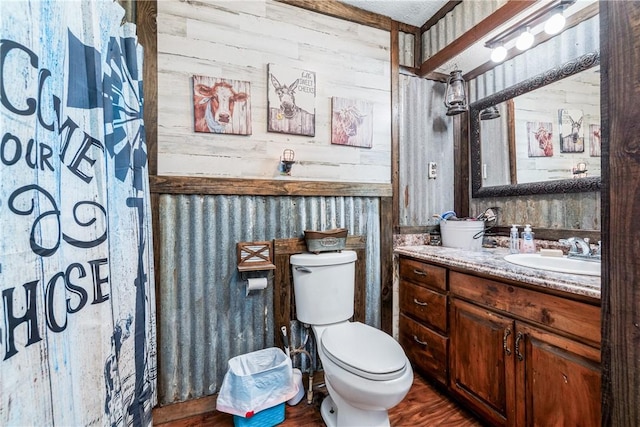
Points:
x=432, y=171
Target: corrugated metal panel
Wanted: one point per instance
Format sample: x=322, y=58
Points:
x=462, y=18
x=406, y=43
x=426, y=135
x=569, y=45
x=204, y=317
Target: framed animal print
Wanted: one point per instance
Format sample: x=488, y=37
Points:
x=221, y=105
x=291, y=100
x=571, y=132
x=540, y=139
x=351, y=122
x=595, y=147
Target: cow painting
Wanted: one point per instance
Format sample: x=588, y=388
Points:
x=221, y=106
x=545, y=141
x=540, y=137
x=351, y=122
x=291, y=101
x=571, y=134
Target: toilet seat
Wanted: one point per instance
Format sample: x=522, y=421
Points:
x=364, y=351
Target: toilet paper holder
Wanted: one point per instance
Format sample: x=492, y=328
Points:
x=254, y=257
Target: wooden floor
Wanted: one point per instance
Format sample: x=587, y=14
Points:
x=423, y=406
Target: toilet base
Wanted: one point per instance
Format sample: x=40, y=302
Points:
x=349, y=416
x=329, y=412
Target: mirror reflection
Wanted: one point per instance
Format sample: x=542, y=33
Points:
x=551, y=133
x=545, y=137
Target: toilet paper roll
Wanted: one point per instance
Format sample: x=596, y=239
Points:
x=256, y=284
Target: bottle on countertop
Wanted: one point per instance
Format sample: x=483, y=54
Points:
x=527, y=245
x=514, y=240
x=434, y=237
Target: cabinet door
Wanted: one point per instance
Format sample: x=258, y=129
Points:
x=558, y=380
x=481, y=361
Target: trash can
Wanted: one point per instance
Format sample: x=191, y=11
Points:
x=256, y=386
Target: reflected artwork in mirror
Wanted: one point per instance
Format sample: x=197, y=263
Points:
x=546, y=137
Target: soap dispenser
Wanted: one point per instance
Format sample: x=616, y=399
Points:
x=514, y=240
x=527, y=246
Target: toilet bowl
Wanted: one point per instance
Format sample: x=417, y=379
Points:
x=366, y=373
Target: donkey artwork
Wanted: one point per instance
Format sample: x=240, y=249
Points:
x=572, y=141
x=288, y=116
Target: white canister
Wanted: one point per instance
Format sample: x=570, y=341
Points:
x=462, y=234
x=297, y=378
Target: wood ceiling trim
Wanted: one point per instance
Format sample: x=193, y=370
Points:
x=406, y=28
x=343, y=11
x=466, y=40
x=448, y=7
x=264, y=187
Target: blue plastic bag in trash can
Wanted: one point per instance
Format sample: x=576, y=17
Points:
x=256, y=381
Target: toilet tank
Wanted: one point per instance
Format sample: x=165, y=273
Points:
x=324, y=286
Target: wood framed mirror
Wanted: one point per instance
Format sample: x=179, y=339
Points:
x=526, y=139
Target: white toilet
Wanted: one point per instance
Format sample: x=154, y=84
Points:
x=365, y=369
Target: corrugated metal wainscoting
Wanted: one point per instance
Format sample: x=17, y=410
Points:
x=204, y=317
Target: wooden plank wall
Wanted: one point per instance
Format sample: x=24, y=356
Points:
x=283, y=294
x=237, y=40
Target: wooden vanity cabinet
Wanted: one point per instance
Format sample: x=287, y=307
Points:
x=520, y=357
x=424, y=323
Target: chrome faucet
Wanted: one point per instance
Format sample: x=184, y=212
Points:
x=580, y=248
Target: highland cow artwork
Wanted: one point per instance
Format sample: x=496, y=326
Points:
x=540, y=137
x=291, y=101
x=221, y=106
x=351, y=122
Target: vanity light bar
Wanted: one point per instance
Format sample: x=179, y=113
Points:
x=536, y=18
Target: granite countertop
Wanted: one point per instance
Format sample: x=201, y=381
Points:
x=491, y=262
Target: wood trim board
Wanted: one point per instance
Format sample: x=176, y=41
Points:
x=264, y=187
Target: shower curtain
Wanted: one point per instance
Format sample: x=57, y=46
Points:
x=77, y=303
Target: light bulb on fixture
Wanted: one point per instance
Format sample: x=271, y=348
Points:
x=499, y=53
x=525, y=40
x=555, y=24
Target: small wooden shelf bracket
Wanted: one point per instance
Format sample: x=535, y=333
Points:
x=255, y=256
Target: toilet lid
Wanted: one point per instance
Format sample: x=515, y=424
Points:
x=364, y=351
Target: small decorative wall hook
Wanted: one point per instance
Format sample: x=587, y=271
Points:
x=286, y=161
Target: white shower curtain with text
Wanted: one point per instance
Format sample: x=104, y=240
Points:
x=77, y=303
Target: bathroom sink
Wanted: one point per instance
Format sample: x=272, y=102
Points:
x=559, y=264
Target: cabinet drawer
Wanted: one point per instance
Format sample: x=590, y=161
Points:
x=423, y=274
x=424, y=305
x=561, y=314
x=426, y=349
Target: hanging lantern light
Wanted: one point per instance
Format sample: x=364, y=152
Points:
x=455, y=98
